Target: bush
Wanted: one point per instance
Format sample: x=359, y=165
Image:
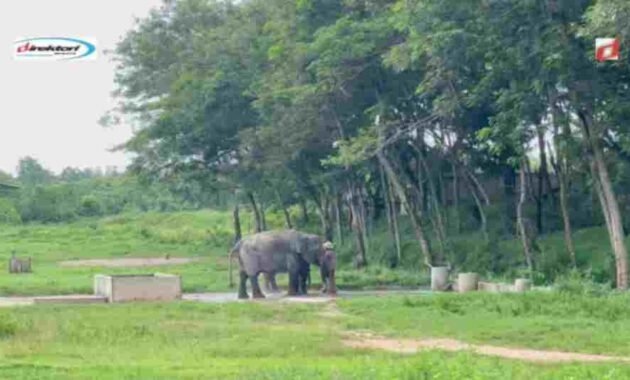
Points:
x=577, y=283
x=8, y=328
x=90, y=206
x=8, y=213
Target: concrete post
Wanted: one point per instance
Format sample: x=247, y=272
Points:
x=467, y=282
x=439, y=278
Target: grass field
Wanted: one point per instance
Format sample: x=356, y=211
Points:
x=267, y=340
x=296, y=341
x=205, y=235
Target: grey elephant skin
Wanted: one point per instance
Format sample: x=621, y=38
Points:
x=288, y=251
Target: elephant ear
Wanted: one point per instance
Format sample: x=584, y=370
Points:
x=299, y=243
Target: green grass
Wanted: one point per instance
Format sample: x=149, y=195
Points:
x=546, y=320
x=206, y=235
x=273, y=341
x=277, y=341
x=200, y=234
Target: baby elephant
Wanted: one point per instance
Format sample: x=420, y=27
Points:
x=303, y=280
x=283, y=251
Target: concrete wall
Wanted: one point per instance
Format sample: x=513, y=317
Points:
x=152, y=287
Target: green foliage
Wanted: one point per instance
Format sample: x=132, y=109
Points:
x=90, y=206
x=577, y=284
x=8, y=213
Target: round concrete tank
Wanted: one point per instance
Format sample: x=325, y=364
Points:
x=522, y=285
x=439, y=278
x=467, y=282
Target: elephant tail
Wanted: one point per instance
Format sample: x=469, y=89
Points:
x=234, y=252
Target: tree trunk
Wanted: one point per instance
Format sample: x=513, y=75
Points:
x=542, y=172
x=360, y=259
x=363, y=220
x=520, y=220
x=564, y=209
x=263, y=217
x=437, y=210
x=415, y=221
x=609, y=202
x=394, y=217
x=237, y=237
x=482, y=192
x=482, y=213
x=322, y=210
x=337, y=205
x=458, y=225
x=237, y=224
x=390, y=209
x=304, y=211
x=509, y=185
x=560, y=167
x=256, y=211
x=287, y=216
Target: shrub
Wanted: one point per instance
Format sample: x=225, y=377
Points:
x=8, y=213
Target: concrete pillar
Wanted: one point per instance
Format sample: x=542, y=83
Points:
x=467, y=282
x=522, y=285
x=439, y=278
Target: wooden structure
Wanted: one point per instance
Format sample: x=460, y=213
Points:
x=19, y=265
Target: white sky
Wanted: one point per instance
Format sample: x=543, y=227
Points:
x=50, y=110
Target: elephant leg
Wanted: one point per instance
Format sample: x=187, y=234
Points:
x=273, y=283
x=242, y=288
x=303, y=279
x=324, y=280
x=268, y=277
x=256, y=292
x=303, y=288
x=293, y=283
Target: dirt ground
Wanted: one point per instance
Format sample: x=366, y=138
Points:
x=128, y=262
x=409, y=346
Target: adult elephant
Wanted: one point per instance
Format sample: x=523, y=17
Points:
x=282, y=251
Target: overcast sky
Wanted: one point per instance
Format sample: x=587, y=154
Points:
x=50, y=110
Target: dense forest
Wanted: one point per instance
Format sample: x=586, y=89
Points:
x=431, y=118
x=36, y=194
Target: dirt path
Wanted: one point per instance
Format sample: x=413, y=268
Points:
x=128, y=262
x=409, y=346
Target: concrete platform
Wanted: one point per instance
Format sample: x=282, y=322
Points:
x=72, y=298
x=138, y=287
x=312, y=297
x=15, y=301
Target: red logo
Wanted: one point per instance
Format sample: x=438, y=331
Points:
x=23, y=48
x=606, y=49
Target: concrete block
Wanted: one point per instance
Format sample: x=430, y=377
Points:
x=138, y=287
x=73, y=298
x=439, y=278
x=488, y=287
x=467, y=282
x=503, y=287
x=522, y=285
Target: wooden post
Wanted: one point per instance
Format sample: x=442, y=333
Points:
x=17, y=265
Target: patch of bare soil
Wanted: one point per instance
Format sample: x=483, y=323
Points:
x=331, y=311
x=128, y=262
x=408, y=346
